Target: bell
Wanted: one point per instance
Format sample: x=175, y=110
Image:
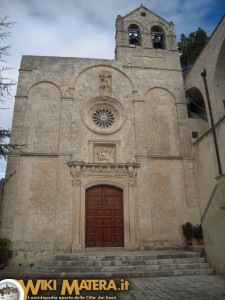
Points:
x=133, y=39
x=157, y=42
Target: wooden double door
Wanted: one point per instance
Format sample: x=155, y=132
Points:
x=104, y=224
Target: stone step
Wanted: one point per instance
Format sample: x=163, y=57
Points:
x=97, y=263
x=119, y=274
x=111, y=269
x=125, y=256
x=122, y=264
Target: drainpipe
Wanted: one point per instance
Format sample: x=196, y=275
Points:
x=203, y=74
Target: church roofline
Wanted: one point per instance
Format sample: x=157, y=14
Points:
x=141, y=7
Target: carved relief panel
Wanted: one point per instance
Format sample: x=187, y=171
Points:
x=104, y=153
x=105, y=82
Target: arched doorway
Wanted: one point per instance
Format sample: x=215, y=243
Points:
x=104, y=223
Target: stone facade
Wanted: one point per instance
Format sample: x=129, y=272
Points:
x=91, y=122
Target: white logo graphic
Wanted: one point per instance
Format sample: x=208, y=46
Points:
x=10, y=289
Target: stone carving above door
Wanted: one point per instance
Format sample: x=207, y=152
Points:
x=104, y=153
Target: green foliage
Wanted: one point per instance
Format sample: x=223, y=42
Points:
x=197, y=231
x=190, y=47
x=5, y=85
x=187, y=229
x=5, y=250
x=4, y=147
x=5, y=82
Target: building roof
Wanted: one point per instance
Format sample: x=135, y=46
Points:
x=145, y=8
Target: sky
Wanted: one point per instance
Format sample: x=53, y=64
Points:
x=86, y=28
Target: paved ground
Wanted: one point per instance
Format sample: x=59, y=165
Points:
x=197, y=287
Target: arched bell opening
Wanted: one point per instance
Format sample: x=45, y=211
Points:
x=134, y=35
x=158, y=39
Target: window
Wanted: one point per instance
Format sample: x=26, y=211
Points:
x=134, y=35
x=195, y=134
x=224, y=104
x=103, y=117
x=158, y=38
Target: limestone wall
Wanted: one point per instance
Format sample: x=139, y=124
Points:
x=86, y=122
x=213, y=222
x=53, y=119
x=167, y=199
x=206, y=168
x=211, y=187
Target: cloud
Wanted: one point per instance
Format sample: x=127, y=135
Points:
x=86, y=28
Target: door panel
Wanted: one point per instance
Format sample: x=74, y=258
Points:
x=104, y=217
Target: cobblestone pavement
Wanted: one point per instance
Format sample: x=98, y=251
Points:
x=198, y=287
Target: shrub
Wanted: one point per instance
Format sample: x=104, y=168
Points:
x=187, y=229
x=197, y=231
x=5, y=250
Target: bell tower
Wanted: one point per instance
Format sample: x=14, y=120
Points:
x=142, y=34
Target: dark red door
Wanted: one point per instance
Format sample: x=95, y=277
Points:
x=104, y=217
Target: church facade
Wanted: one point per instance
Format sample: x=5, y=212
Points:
x=108, y=157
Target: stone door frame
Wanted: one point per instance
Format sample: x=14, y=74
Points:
x=86, y=175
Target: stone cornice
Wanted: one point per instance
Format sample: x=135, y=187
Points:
x=166, y=157
x=120, y=168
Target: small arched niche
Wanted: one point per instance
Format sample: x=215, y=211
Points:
x=134, y=35
x=158, y=37
x=196, y=104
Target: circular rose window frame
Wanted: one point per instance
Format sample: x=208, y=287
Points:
x=104, y=116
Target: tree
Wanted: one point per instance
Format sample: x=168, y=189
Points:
x=190, y=47
x=5, y=84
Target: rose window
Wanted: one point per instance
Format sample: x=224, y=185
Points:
x=103, y=115
x=103, y=118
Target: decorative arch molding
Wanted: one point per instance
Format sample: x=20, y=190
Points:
x=42, y=118
x=162, y=25
x=45, y=81
x=75, y=78
x=105, y=182
x=128, y=24
x=161, y=88
x=162, y=120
